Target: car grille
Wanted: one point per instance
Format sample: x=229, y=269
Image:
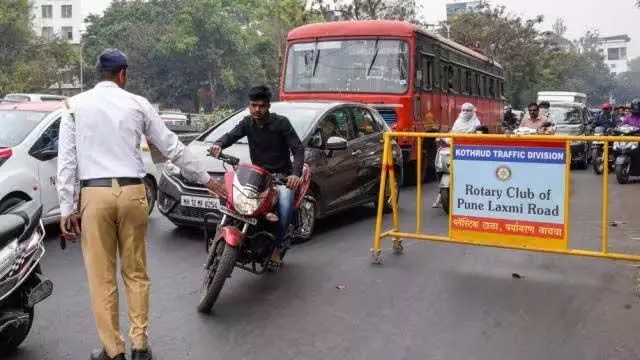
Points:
x=191, y=212
x=389, y=115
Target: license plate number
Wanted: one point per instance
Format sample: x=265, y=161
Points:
x=200, y=202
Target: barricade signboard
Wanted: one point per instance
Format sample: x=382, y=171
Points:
x=510, y=193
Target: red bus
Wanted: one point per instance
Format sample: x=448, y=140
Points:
x=416, y=79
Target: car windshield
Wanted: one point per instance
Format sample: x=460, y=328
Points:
x=361, y=66
x=301, y=118
x=16, y=125
x=565, y=115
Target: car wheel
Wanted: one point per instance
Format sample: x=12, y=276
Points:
x=9, y=203
x=151, y=192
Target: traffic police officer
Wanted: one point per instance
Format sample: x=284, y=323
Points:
x=100, y=147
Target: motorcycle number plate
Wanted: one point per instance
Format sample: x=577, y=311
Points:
x=620, y=161
x=200, y=202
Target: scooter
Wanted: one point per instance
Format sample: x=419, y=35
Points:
x=442, y=166
x=628, y=158
x=22, y=284
x=597, y=152
x=244, y=237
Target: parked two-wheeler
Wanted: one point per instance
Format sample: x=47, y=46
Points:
x=22, y=284
x=597, y=152
x=244, y=235
x=628, y=154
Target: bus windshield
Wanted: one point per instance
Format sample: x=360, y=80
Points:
x=360, y=66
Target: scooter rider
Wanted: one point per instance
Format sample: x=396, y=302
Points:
x=271, y=140
x=607, y=119
x=634, y=118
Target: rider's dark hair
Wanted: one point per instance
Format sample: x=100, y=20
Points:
x=545, y=104
x=534, y=105
x=483, y=129
x=110, y=74
x=260, y=93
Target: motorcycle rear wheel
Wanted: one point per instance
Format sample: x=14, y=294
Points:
x=215, y=277
x=622, y=173
x=10, y=344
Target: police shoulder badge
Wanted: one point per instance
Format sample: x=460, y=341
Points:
x=503, y=173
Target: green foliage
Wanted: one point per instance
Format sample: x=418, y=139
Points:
x=28, y=63
x=406, y=10
x=534, y=60
x=181, y=48
x=218, y=114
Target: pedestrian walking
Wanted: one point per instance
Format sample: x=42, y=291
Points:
x=100, y=147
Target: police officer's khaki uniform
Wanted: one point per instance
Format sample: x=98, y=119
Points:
x=100, y=146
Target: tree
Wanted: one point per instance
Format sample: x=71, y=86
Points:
x=534, y=60
x=28, y=63
x=406, y=10
x=559, y=27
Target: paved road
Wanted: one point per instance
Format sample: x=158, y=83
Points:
x=434, y=302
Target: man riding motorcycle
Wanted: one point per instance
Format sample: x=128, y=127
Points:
x=607, y=119
x=271, y=139
x=634, y=118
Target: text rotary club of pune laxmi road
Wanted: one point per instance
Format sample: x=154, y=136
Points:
x=509, y=193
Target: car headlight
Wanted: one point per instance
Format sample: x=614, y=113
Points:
x=171, y=169
x=246, y=203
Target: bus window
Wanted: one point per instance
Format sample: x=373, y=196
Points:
x=476, y=90
x=451, y=79
x=459, y=82
x=492, y=89
x=427, y=72
x=468, y=82
x=443, y=77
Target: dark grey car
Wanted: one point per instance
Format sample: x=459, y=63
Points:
x=341, y=179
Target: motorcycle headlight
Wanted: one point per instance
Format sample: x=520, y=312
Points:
x=171, y=169
x=625, y=145
x=245, y=202
x=579, y=142
x=8, y=256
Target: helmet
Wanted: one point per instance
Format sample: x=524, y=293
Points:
x=635, y=106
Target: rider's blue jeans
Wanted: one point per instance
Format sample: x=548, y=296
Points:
x=284, y=211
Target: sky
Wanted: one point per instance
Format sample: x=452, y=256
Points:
x=610, y=17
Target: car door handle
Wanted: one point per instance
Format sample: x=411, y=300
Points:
x=356, y=152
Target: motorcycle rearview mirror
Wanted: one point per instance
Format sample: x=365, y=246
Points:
x=547, y=124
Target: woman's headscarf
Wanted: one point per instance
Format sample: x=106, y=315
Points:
x=467, y=121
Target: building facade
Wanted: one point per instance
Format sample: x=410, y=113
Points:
x=614, y=50
x=65, y=19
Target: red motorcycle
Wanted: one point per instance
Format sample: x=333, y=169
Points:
x=244, y=235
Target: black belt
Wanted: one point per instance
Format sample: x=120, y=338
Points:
x=106, y=182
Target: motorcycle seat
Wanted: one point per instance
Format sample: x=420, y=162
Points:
x=30, y=212
x=11, y=227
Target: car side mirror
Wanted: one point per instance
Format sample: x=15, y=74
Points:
x=336, y=143
x=46, y=154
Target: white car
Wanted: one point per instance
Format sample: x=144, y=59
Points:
x=28, y=157
x=19, y=97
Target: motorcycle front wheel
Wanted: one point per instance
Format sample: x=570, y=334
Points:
x=598, y=163
x=217, y=272
x=622, y=173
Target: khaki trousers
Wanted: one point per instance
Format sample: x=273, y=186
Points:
x=114, y=220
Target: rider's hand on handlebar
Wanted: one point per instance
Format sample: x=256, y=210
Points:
x=215, y=151
x=293, y=182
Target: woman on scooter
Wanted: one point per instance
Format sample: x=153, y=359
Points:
x=466, y=123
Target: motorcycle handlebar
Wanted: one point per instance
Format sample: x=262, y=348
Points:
x=229, y=159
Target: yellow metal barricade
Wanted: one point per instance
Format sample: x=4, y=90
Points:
x=548, y=237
